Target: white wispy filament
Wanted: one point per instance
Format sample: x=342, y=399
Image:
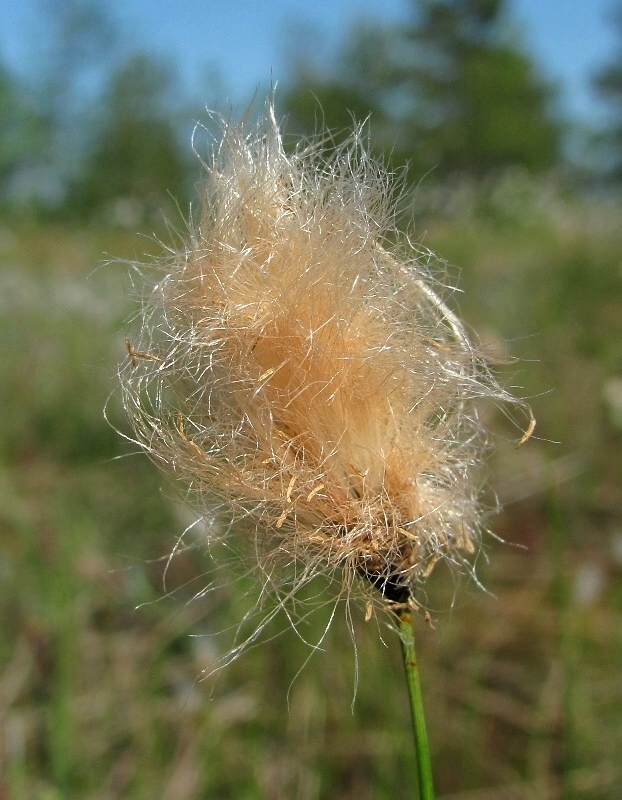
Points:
x=303, y=379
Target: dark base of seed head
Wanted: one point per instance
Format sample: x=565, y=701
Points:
x=390, y=587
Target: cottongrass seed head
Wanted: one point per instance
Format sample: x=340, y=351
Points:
x=302, y=378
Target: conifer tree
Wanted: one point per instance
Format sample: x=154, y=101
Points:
x=451, y=91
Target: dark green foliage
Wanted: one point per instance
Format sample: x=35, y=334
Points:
x=450, y=92
x=94, y=133
x=608, y=84
x=23, y=130
x=136, y=156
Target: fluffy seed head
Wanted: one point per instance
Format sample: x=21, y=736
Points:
x=302, y=377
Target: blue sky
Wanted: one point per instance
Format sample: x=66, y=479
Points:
x=246, y=43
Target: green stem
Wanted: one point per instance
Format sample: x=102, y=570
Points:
x=422, y=750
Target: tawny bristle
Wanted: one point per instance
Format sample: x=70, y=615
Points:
x=298, y=373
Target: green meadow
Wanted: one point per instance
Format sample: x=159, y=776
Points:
x=108, y=649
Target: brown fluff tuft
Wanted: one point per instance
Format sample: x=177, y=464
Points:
x=303, y=379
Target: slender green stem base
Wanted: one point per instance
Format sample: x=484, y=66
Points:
x=422, y=750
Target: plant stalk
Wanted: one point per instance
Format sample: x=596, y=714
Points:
x=422, y=750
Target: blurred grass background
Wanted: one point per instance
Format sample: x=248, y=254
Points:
x=100, y=688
